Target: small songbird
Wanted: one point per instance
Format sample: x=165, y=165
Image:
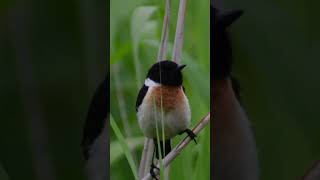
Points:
x=235, y=154
x=162, y=98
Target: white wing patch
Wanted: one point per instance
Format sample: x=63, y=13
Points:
x=150, y=83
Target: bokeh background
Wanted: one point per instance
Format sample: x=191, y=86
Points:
x=277, y=45
x=53, y=54
x=135, y=35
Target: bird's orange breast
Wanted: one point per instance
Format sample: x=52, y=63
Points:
x=168, y=97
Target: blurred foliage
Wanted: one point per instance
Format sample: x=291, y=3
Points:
x=124, y=147
x=135, y=35
x=276, y=61
x=117, y=151
x=63, y=43
x=3, y=174
x=277, y=45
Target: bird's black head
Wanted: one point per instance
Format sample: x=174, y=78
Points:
x=220, y=43
x=166, y=73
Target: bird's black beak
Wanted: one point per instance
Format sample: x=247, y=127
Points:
x=227, y=18
x=181, y=67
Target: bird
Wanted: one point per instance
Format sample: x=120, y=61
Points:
x=94, y=142
x=162, y=98
x=234, y=149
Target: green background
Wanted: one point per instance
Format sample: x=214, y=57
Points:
x=277, y=45
x=276, y=61
x=135, y=34
x=52, y=57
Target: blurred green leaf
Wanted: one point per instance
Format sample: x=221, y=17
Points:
x=276, y=55
x=120, y=53
x=141, y=24
x=124, y=147
x=116, y=148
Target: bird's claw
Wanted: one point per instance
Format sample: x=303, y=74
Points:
x=190, y=134
x=152, y=173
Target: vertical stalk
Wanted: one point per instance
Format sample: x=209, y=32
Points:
x=178, y=41
x=165, y=33
x=149, y=146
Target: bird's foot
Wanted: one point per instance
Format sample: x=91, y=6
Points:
x=152, y=173
x=190, y=134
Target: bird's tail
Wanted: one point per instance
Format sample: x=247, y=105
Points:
x=164, y=150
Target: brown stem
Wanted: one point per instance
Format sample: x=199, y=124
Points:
x=148, y=146
x=183, y=144
x=165, y=33
x=178, y=41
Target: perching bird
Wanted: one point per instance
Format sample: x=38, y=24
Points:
x=95, y=134
x=235, y=154
x=162, y=97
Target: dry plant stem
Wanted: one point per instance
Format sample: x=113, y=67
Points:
x=176, y=151
x=146, y=156
x=165, y=33
x=178, y=41
x=143, y=158
x=149, y=156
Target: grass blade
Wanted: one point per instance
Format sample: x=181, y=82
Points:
x=116, y=149
x=124, y=146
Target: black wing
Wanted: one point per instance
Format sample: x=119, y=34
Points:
x=143, y=91
x=98, y=111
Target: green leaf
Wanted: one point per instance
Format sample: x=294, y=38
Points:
x=141, y=26
x=140, y=22
x=124, y=147
x=116, y=149
x=121, y=52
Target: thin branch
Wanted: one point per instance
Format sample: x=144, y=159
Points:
x=178, y=41
x=176, y=151
x=146, y=157
x=165, y=33
x=148, y=145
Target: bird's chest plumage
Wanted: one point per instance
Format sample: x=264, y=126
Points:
x=165, y=106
